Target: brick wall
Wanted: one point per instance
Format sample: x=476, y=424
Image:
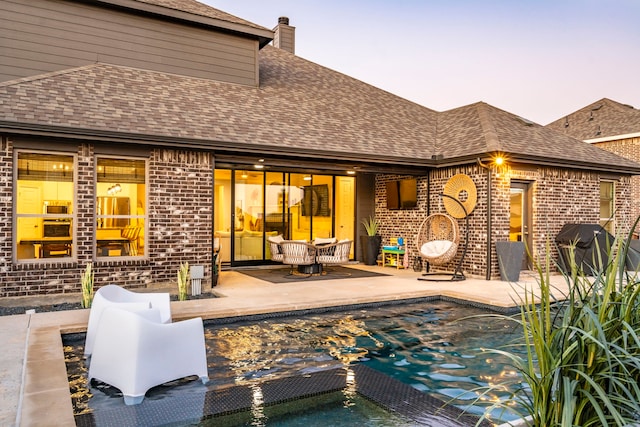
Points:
x=180, y=212
x=559, y=196
x=180, y=227
x=630, y=149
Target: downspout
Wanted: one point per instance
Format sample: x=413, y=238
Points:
x=488, y=168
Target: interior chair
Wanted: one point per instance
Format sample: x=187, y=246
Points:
x=135, y=351
x=116, y=296
x=275, y=248
x=438, y=238
x=296, y=253
x=334, y=254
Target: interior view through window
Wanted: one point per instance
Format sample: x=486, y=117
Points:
x=251, y=206
x=44, y=206
x=120, y=207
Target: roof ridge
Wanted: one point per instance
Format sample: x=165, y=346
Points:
x=489, y=130
x=48, y=75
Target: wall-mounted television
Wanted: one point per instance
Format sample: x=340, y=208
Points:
x=402, y=194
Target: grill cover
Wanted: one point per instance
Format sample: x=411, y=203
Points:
x=592, y=243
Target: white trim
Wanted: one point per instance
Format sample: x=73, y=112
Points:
x=613, y=137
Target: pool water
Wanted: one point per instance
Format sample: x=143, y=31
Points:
x=429, y=346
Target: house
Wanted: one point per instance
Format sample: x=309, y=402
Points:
x=611, y=126
x=134, y=132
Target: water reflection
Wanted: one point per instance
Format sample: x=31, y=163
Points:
x=423, y=345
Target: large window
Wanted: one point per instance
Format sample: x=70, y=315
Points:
x=607, y=191
x=44, y=205
x=121, y=207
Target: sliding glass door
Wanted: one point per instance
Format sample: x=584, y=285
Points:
x=251, y=206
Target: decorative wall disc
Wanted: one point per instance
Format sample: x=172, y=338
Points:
x=462, y=188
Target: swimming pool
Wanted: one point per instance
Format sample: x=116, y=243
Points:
x=423, y=347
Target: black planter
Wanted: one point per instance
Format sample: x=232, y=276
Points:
x=370, y=248
x=510, y=258
x=214, y=279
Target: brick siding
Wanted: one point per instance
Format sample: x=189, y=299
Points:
x=180, y=227
x=559, y=196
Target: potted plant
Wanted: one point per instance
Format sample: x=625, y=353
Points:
x=371, y=241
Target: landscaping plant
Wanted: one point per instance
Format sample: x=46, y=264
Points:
x=581, y=360
x=87, y=286
x=183, y=281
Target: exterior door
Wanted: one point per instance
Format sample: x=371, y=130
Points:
x=520, y=216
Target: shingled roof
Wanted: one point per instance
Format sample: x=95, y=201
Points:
x=300, y=109
x=603, y=118
x=194, y=12
x=480, y=128
x=197, y=8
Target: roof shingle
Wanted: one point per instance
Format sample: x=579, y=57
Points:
x=603, y=118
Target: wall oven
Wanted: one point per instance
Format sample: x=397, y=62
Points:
x=56, y=227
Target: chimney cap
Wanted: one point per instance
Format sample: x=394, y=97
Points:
x=283, y=20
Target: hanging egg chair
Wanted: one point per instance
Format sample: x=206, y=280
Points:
x=438, y=237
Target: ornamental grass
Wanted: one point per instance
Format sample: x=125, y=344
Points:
x=580, y=365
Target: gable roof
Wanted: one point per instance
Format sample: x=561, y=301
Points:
x=477, y=129
x=601, y=119
x=300, y=110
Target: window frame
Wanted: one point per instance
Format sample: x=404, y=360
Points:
x=96, y=217
x=608, y=223
x=42, y=215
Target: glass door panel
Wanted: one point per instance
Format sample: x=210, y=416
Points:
x=319, y=202
x=300, y=228
x=345, y=215
x=517, y=215
x=222, y=217
x=249, y=209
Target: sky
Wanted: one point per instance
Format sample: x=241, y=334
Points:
x=539, y=59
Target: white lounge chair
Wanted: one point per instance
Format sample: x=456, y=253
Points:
x=113, y=295
x=134, y=352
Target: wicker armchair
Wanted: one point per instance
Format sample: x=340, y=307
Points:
x=275, y=248
x=336, y=253
x=297, y=253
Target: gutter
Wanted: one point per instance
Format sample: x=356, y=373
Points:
x=219, y=146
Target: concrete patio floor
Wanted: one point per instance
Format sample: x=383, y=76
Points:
x=34, y=389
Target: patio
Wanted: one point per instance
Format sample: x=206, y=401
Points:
x=34, y=382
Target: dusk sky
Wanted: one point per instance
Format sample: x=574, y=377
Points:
x=539, y=59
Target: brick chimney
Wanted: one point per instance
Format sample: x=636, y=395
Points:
x=285, y=35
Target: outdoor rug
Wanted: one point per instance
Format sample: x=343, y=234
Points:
x=281, y=275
